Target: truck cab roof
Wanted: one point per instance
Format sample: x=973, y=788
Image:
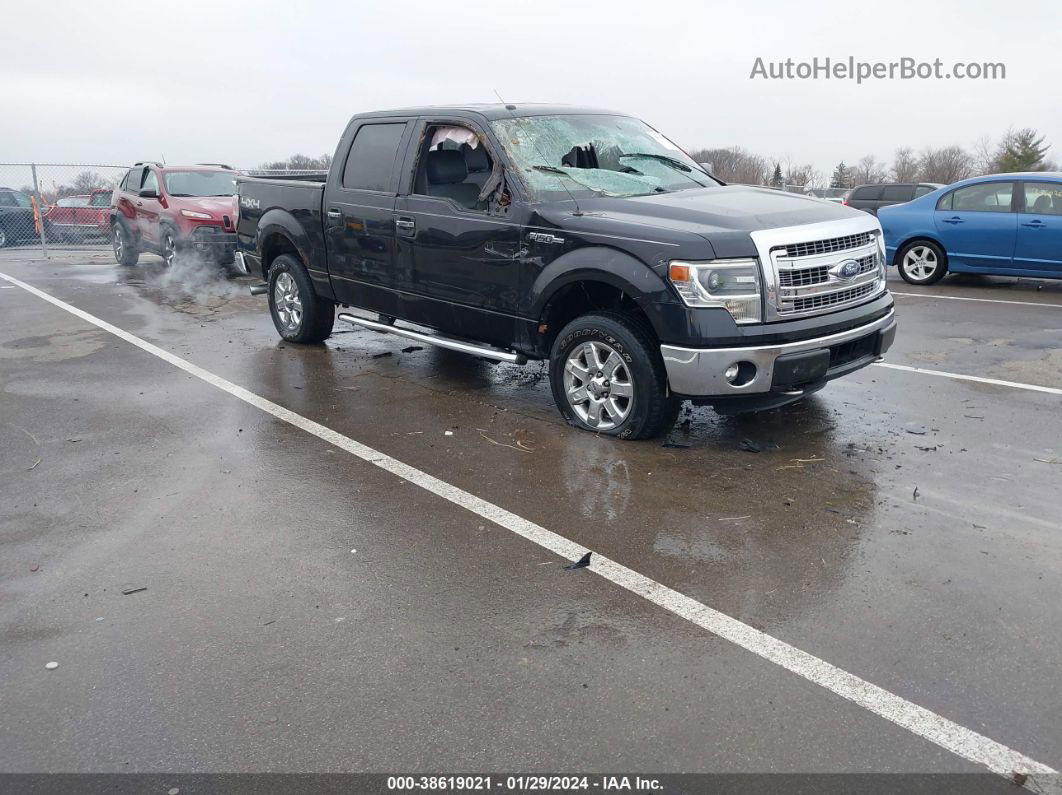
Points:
x=493, y=110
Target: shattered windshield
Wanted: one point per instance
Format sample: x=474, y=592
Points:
x=596, y=155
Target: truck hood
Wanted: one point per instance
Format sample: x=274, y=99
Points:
x=722, y=210
x=216, y=206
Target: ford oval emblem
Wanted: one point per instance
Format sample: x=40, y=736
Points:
x=848, y=269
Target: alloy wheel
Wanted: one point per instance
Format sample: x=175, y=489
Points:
x=287, y=302
x=119, y=243
x=920, y=263
x=598, y=385
x=169, y=249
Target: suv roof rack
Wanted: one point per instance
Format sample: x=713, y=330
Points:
x=219, y=165
x=148, y=163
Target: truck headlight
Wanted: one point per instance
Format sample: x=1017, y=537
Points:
x=194, y=214
x=733, y=284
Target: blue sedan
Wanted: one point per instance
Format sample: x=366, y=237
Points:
x=1005, y=224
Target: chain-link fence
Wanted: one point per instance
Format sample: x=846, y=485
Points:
x=57, y=206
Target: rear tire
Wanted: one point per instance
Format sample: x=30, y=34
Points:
x=922, y=262
x=607, y=377
x=125, y=251
x=299, y=314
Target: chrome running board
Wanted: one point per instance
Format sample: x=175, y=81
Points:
x=487, y=352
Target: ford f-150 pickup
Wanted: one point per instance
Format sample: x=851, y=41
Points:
x=585, y=237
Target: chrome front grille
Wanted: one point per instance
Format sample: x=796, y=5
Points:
x=808, y=276
x=815, y=247
x=819, y=274
x=836, y=298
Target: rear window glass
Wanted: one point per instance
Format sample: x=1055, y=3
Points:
x=985, y=197
x=371, y=161
x=898, y=193
x=868, y=193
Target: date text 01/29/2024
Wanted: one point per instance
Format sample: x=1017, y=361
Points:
x=523, y=783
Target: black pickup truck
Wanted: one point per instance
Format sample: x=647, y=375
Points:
x=585, y=237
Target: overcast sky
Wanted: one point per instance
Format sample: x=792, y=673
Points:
x=243, y=82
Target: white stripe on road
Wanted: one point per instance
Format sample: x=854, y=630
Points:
x=982, y=300
x=1050, y=390
x=937, y=729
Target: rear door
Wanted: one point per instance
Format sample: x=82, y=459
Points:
x=977, y=226
x=866, y=198
x=894, y=194
x=359, y=213
x=1039, y=232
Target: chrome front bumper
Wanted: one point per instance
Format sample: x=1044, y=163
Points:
x=700, y=372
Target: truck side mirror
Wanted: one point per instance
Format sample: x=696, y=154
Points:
x=148, y=193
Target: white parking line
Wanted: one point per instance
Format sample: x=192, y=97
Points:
x=982, y=300
x=960, y=740
x=1050, y=390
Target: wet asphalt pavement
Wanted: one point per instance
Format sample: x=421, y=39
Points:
x=306, y=611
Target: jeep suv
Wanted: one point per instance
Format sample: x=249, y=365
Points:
x=175, y=211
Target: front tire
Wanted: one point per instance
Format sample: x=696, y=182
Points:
x=169, y=247
x=922, y=262
x=607, y=376
x=125, y=250
x=299, y=314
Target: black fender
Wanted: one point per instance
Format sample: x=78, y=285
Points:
x=277, y=221
x=602, y=264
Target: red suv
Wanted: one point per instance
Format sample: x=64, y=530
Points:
x=175, y=211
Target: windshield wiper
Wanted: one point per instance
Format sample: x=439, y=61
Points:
x=561, y=172
x=671, y=161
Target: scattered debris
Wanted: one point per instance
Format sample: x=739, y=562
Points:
x=916, y=433
x=734, y=518
x=807, y=460
x=133, y=589
x=412, y=348
x=973, y=417
x=74, y=439
x=99, y=618
x=1020, y=778
x=51, y=666
x=914, y=496
x=34, y=465
x=582, y=563
x=448, y=433
x=932, y=449
x=677, y=445
x=1049, y=460
x=750, y=446
x=502, y=444
x=383, y=355
x=35, y=567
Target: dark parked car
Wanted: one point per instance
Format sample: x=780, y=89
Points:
x=872, y=198
x=583, y=237
x=16, y=217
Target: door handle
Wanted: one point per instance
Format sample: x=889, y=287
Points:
x=405, y=224
x=1035, y=224
x=953, y=220
x=140, y=204
x=334, y=213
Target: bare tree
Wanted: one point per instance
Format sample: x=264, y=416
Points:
x=985, y=159
x=904, y=165
x=946, y=165
x=804, y=175
x=868, y=170
x=735, y=165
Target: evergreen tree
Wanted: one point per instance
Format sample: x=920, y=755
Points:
x=1022, y=151
x=776, y=178
x=842, y=176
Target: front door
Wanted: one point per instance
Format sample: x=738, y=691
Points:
x=1039, y=244
x=459, y=255
x=977, y=227
x=148, y=210
x=359, y=209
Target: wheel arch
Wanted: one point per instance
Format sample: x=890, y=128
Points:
x=919, y=238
